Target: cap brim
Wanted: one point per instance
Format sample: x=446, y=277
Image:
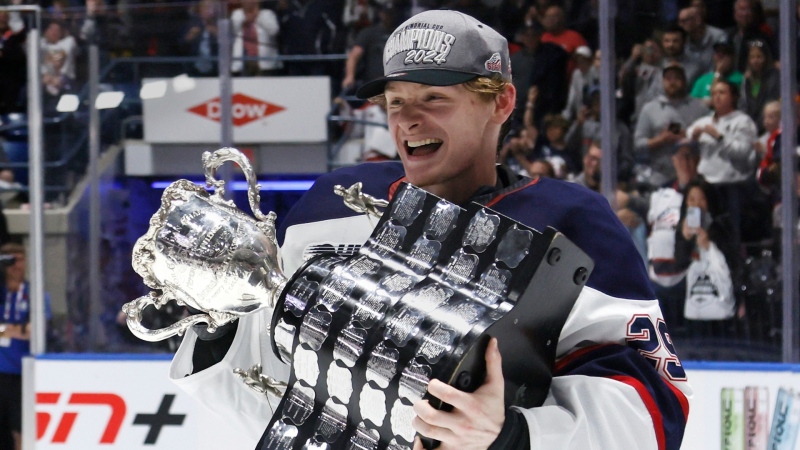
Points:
x=432, y=77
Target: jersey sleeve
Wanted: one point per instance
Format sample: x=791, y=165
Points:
x=618, y=383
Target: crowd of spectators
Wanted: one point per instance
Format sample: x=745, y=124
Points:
x=697, y=99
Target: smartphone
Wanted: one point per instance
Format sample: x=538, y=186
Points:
x=675, y=127
x=693, y=217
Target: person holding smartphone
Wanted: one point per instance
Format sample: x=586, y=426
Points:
x=703, y=243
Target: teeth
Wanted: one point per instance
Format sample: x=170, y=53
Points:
x=415, y=144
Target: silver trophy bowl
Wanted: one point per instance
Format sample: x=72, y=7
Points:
x=203, y=252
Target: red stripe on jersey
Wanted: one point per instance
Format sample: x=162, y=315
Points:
x=649, y=403
x=393, y=187
x=681, y=399
x=563, y=362
x=500, y=197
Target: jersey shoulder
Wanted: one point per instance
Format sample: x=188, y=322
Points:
x=321, y=203
x=586, y=218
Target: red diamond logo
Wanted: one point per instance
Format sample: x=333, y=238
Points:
x=246, y=109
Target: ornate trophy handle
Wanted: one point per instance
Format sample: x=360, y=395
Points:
x=212, y=161
x=133, y=311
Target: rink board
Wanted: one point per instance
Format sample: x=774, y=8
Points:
x=128, y=402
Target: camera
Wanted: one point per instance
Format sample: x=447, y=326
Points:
x=675, y=127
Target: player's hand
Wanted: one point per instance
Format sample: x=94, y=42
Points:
x=476, y=418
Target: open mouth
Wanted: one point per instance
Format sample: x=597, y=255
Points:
x=423, y=147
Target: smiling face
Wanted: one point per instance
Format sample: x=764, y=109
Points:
x=696, y=197
x=447, y=135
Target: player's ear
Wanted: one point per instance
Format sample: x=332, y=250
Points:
x=504, y=103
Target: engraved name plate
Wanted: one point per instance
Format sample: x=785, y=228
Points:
x=382, y=365
x=441, y=220
x=340, y=383
x=361, y=267
x=364, y=438
x=414, y=381
x=281, y=436
x=462, y=313
x=350, y=344
x=436, y=342
x=372, y=403
x=315, y=328
x=493, y=284
x=398, y=283
x=401, y=418
x=298, y=296
x=403, y=326
x=306, y=366
x=461, y=268
x=284, y=339
x=424, y=254
x=331, y=422
x=299, y=404
x=481, y=231
x=408, y=205
x=335, y=289
x=388, y=240
x=428, y=298
x=371, y=308
x=514, y=246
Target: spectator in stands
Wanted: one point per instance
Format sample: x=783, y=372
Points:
x=15, y=335
x=761, y=82
x=540, y=64
x=639, y=72
x=58, y=64
x=673, y=43
x=663, y=217
x=723, y=68
x=522, y=151
x=512, y=15
x=727, y=152
x=358, y=15
x=700, y=37
x=555, y=30
x=586, y=129
x=747, y=29
x=585, y=75
x=663, y=122
x=12, y=67
x=541, y=168
x=771, y=124
x=365, y=58
x=201, y=39
x=311, y=27
x=705, y=243
x=255, y=31
x=590, y=175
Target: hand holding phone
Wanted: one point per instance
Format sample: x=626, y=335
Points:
x=693, y=217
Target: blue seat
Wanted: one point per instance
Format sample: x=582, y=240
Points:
x=17, y=152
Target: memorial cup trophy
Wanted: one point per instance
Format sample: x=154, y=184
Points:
x=365, y=334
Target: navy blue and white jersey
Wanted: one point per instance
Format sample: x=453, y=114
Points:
x=617, y=384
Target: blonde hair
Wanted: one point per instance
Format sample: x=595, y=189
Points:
x=488, y=88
